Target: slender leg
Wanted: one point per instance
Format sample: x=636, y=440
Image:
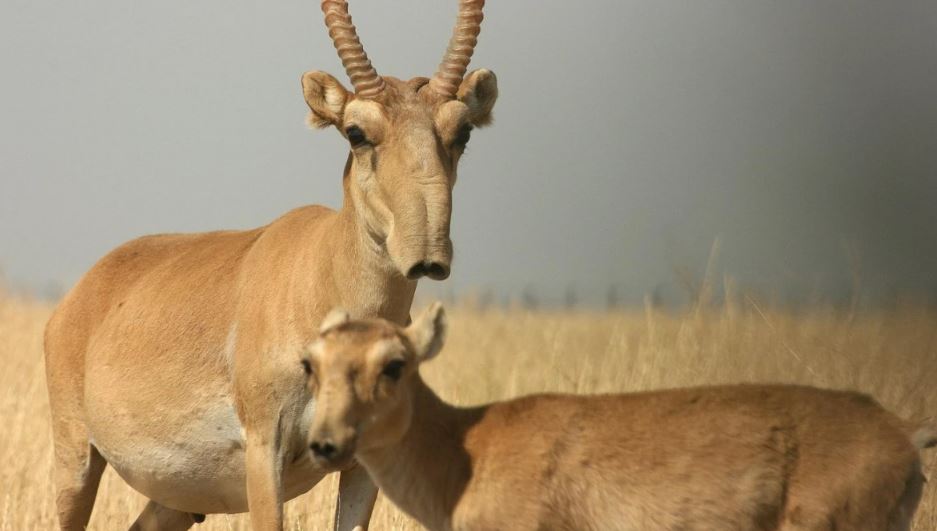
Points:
x=156, y=517
x=78, y=469
x=356, y=496
x=264, y=488
x=78, y=465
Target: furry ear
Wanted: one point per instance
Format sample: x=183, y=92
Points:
x=428, y=333
x=479, y=91
x=326, y=98
x=335, y=318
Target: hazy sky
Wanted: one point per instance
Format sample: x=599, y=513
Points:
x=628, y=135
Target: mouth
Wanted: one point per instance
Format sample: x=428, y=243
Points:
x=336, y=464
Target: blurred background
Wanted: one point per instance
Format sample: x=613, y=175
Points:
x=792, y=146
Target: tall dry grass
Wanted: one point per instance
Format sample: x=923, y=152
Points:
x=499, y=354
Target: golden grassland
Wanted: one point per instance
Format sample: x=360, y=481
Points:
x=498, y=354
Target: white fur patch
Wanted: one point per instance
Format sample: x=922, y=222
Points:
x=197, y=467
x=367, y=115
x=230, y=344
x=383, y=349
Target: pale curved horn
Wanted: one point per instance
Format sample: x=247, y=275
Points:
x=357, y=65
x=448, y=77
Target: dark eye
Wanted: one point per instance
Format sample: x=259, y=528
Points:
x=462, y=137
x=355, y=135
x=393, y=369
x=307, y=367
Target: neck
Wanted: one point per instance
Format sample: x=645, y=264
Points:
x=361, y=265
x=428, y=469
x=359, y=271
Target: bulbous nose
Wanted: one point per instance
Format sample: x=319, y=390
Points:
x=433, y=270
x=324, y=449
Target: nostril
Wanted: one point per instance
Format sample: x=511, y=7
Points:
x=417, y=271
x=433, y=270
x=322, y=449
x=437, y=271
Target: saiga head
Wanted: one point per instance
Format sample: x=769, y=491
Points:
x=406, y=138
x=360, y=374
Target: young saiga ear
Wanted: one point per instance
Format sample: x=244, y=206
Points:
x=428, y=332
x=335, y=318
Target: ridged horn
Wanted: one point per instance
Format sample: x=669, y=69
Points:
x=448, y=77
x=357, y=65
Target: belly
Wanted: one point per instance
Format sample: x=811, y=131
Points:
x=179, y=441
x=190, y=459
x=197, y=466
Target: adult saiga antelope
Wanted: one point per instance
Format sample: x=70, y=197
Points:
x=729, y=458
x=174, y=358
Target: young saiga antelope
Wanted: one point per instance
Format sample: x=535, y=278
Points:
x=743, y=457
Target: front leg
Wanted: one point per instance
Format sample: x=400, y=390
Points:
x=264, y=485
x=356, y=496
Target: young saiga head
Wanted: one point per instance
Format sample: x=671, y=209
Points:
x=361, y=375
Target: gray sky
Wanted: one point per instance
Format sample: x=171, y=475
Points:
x=628, y=135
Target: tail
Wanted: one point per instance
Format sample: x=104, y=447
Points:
x=925, y=435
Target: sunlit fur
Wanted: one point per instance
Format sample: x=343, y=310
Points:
x=174, y=358
x=744, y=457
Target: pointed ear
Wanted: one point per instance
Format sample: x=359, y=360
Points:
x=326, y=98
x=336, y=317
x=479, y=90
x=428, y=333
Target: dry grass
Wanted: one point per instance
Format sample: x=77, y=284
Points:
x=491, y=355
